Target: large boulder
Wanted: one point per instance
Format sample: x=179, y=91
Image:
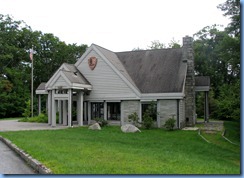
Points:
x=95, y=126
x=129, y=128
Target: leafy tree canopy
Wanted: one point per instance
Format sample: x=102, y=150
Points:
x=16, y=38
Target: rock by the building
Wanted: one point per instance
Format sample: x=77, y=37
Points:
x=129, y=128
x=95, y=126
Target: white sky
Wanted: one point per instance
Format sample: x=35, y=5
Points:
x=118, y=25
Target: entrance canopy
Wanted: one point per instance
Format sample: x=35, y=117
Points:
x=68, y=77
x=60, y=88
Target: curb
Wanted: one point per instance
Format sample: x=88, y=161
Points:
x=199, y=133
x=223, y=135
x=36, y=165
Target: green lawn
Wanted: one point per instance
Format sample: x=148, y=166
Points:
x=14, y=118
x=109, y=151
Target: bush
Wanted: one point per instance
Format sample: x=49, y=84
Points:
x=147, y=122
x=42, y=118
x=101, y=122
x=170, y=123
x=27, y=110
x=134, y=119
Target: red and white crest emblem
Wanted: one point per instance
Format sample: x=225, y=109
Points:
x=92, y=62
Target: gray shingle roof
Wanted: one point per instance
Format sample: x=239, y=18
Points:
x=155, y=71
x=74, y=75
x=202, y=81
x=150, y=71
x=41, y=86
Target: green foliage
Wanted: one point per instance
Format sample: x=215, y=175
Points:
x=232, y=131
x=147, y=121
x=16, y=38
x=158, y=45
x=232, y=10
x=217, y=54
x=228, y=103
x=101, y=121
x=170, y=123
x=42, y=118
x=152, y=110
x=27, y=110
x=134, y=119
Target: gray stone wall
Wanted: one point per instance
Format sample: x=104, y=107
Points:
x=167, y=108
x=127, y=108
x=188, y=57
x=182, y=113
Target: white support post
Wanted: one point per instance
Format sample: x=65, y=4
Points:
x=47, y=104
x=85, y=111
x=158, y=113
x=80, y=108
x=39, y=104
x=122, y=113
x=89, y=112
x=53, y=122
x=64, y=112
x=49, y=107
x=140, y=112
x=105, y=111
x=70, y=107
x=59, y=111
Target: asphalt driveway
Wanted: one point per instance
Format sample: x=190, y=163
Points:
x=11, y=163
x=14, y=125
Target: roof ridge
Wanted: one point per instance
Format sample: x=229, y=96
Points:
x=142, y=50
x=102, y=47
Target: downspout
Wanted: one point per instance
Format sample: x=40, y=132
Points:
x=178, y=113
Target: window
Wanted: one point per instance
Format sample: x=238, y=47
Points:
x=97, y=110
x=151, y=108
x=113, y=111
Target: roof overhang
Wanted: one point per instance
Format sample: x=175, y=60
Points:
x=41, y=92
x=202, y=88
x=155, y=96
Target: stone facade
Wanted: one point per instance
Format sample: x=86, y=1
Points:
x=188, y=57
x=127, y=108
x=167, y=109
x=182, y=119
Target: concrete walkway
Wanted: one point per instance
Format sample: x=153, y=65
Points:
x=14, y=125
x=11, y=163
x=212, y=125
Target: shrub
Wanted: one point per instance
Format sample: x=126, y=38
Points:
x=101, y=122
x=134, y=119
x=170, y=123
x=27, y=110
x=147, y=122
x=42, y=118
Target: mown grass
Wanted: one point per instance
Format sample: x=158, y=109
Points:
x=232, y=131
x=13, y=118
x=109, y=151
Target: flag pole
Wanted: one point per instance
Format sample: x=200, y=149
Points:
x=32, y=59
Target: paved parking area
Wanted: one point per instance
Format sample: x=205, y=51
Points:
x=11, y=163
x=14, y=125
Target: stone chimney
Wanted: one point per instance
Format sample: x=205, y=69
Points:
x=188, y=57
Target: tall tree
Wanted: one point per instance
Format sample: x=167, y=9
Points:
x=231, y=9
x=16, y=38
x=217, y=54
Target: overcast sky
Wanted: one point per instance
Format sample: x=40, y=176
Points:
x=118, y=25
